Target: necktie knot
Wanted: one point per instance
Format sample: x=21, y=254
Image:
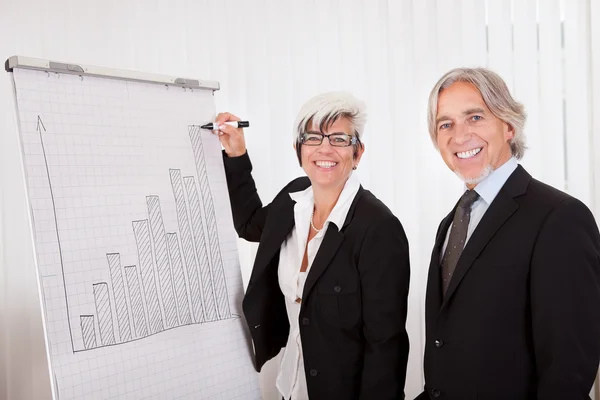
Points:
x=467, y=199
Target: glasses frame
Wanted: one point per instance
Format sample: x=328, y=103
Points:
x=353, y=139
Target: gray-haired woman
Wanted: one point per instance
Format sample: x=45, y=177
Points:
x=331, y=275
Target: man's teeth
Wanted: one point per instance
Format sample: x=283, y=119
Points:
x=326, y=164
x=468, y=154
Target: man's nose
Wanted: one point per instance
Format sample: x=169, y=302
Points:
x=462, y=134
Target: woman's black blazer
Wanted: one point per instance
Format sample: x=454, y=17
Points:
x=353, y=314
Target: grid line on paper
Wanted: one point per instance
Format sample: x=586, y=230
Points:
x=39, y=128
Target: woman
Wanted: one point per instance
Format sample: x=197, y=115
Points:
x=331, y=274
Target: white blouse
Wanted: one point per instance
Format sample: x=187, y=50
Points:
x=291, y=379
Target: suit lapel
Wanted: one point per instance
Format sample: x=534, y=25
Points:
x=434, y=286
x=497, y=214
x=441, y=237
x=331, y=243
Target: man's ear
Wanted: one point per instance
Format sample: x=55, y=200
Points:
x=509, y=132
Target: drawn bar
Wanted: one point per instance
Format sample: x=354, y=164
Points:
x=179, y=279
x=216, y=260
x=137, y=307
x=142, y=239
x=187, y=246
x=116, y=276
x=105, y=322
x=208, y=297
x=161, y=256
x=87, y=331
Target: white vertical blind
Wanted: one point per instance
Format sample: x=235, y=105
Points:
x=448, y=38
x=577, y=100
x=500, y=39
x=594, y=21
x=473, y=29
x=527, y=86
x=594, y=54
x=272, y=55
x=551, y=86
x=593, y=7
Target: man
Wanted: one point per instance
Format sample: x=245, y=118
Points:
x=513, y=293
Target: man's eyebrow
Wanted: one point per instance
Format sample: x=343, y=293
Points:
x=443, y=117
x=476, y=110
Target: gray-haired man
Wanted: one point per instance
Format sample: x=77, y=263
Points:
x=513, y=294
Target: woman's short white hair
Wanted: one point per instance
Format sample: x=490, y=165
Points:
x=496, y=96
x=326, y=108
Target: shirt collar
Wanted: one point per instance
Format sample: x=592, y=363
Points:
x=488, y=188
x=305, y=199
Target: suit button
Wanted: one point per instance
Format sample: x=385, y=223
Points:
x=337, y=289
x=313, y=372
x=435, y=393
x=305, y=321
x=439, y=343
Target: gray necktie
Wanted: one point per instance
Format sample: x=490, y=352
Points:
x=458, y=235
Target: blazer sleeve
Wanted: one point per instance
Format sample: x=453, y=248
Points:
x=385, y=273
x=565, y=302
x=249, y=215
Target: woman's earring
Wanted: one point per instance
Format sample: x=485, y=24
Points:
x=354, y=168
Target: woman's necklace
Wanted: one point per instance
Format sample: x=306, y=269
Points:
x=311, y=221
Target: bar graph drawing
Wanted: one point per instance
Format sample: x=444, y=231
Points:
x=176, y=279
x=220, y=289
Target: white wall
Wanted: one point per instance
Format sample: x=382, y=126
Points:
x=271, y=55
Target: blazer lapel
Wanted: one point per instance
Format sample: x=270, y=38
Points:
x=276, y=231
x=331, y=243
x=497, y=214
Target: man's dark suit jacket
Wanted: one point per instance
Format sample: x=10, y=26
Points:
x=353, y=313
x=521, y=318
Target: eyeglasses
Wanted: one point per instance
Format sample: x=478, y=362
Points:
x=335, y=139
